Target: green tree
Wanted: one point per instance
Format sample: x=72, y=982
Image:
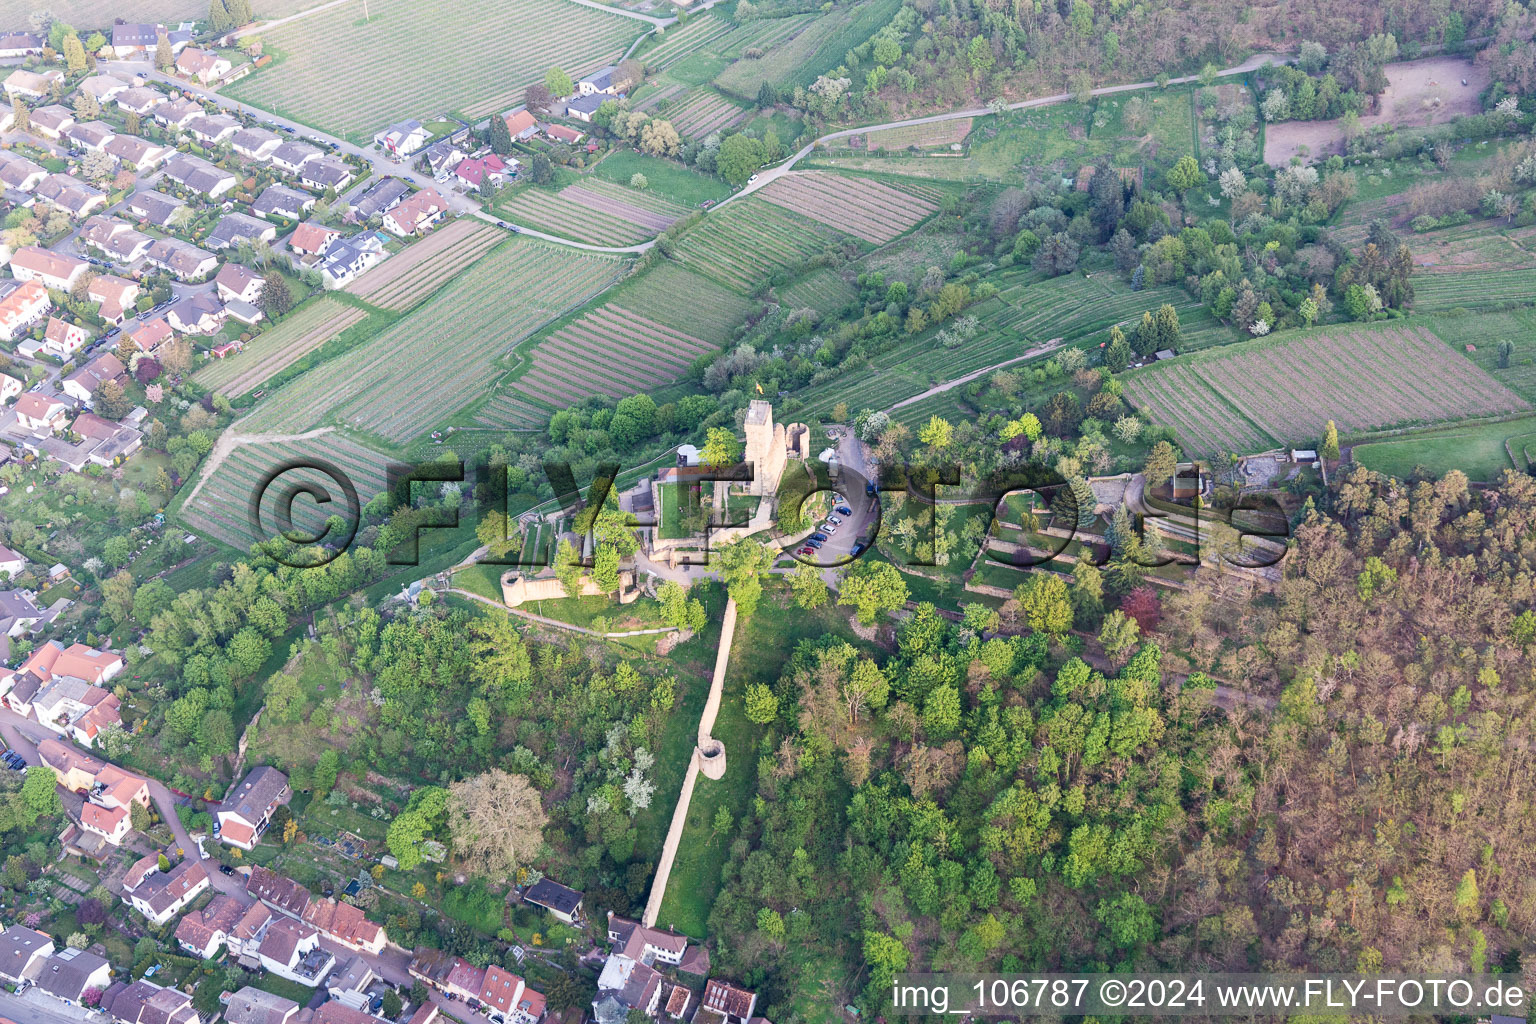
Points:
x=1162, y=462
x=392, y=1004
x=74, y=54
x=164, y=59
x=721, y=448
x=743, y=563
x=40, y=795
x=937, y=434
x=327, y=768
x=1185, y=174
x=809, y=588
x=872, y=588
x=1330, y=448
x=1117, y=355
x=739, y=158
x=941, y=712
x=771, y=924
x=1118, y=635
x=276, y=297
x=761, y=704
x=1168, y=333
x=1046, y=604
x=558, y=83
x=1468, y=899
x=979, y=55
x=501, y=135
x=1128, y=919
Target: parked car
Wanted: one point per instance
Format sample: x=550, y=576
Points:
x=834, y=520
x=844, y=510
x=858, y=549
x=807, y=549
x=828, y=527
x=226, y=869
x=818, y=536
x=751, y=179
x=814, y=543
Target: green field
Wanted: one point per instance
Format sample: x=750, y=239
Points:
x=748, y=240
x=1473, y=290
x=1482, y=452
x=1483, y=331
x=666, y=178
x=352, y=76
x=278, y=347
x=592, y=210
x=444, y=355
x=822, y=290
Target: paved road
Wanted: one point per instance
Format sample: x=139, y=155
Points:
x=35, y=1008
x=772, y=174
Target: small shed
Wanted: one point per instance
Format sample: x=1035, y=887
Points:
x=1303, y=456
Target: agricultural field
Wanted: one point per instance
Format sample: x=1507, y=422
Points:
x=666, y=178
x=862, y=207
x=744, y=242
x=100, y=13
x=677, y=42
x=444, y=355
x=1473, y=290
x=921, y=136
x=822, y=290
x=684, y=300
x=219, y=506
x=1362, y=378
x=506, y=412
x=610, y=351
x=1482, y=451
x=407, y=278
x=1478, y=247
x=278, y=347
x=348, y=75
x=595, y=211
x=815, y=49
x=1478, y=336
x=702, y=111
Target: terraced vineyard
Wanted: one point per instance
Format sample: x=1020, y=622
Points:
x=374, y=84
x=863, y=207
x=510, y=413
x=815, y=48
x=595, y=211
x=702, y=111
x=442, y=356
x=1473, y=289
x=1361, y=378
x=920, y=136
x=610, y=351
x=742, y=243
x=822, y=290
x=220, y=506
x=696, y=305
x=279, y=347
x=405, y=279
x=681, y=40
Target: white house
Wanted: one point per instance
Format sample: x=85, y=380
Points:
x=161, y=895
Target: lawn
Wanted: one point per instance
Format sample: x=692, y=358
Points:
x=1482, y=451
x=666, y=178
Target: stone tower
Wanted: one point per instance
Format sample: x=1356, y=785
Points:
x=765, y=448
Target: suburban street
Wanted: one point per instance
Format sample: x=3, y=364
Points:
x=33, y=1007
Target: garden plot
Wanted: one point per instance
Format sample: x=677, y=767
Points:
x=1362, y=378
x=862, y=207
x=610, y=351
x=703, y=111
x=443, y=356
x=351, y=75
x=748, y=240
x=279, y=347
x=220, y=507
x=407, y=278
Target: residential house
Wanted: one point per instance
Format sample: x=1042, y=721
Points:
x=12, y=563
x=66, y=702
x=183, y=259
x=432, y=967
x=20, y=44
x=105, y=87
x=18, y=614
x=245, y=937
x=342, y=922
x=22, y=308
x=179, y=113
x=732, y=1003
x=203, y=932
x=149, y=335
x=415, y=215
x=255, y=143
x=521, y=124
x=278, y=892
x=583, y=107
x=337, y=1012
x=115, y=238
x=198, y=313
x=41, y=415
x=32, y=85
x=144, y=1002
x=53, y=660
x=247, y=810
x=23, y=951
x=253, y=1006
x=108, y=791
x=199, y=175
x=90, y=135
x=328, y=172
x=378, y=199
x=291, y=157
x=137, y=154
x=560, y=901
x=245, y=312
x=129, y=40
x=500, y=994
x=103, y=443
x=72, y=195
x=71, y=973
x=116, y=296
x=164, y=894
x=678, y=1001
x=476, y=169
x=236, y=282
x=207, y=66
x=402, y=139
x=465, y=980
x=140, y=100
x=19, y=173
x=626, y=985
x=282, y=201
x=156, y=208
x=211, y=129
x=605, y=81
x=345, y=258
x=563, y=133
x=291, y=949
x=638, y=942
x=53, y=120
x=63, y=339
x=84, y=382
x=441, y=157
x=236, y=228
x=350, y=984
x=10, y=387
x=53, y=269
x=311, y=239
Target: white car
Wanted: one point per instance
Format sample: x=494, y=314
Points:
x=829, y=528
x=834, y=520
x=751, y=179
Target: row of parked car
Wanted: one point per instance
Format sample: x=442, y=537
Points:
x=14, y=761
x=829, y=526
